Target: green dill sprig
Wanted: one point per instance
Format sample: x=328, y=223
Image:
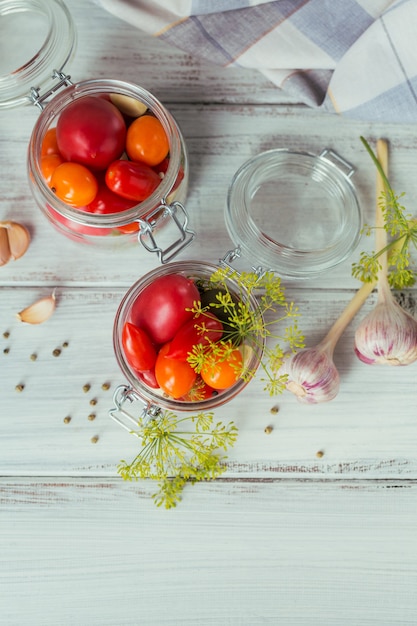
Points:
x=180, y=450
x=274, y=319
x=175, y=457
x=402, y=230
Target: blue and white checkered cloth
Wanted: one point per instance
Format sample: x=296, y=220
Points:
x=356, y=58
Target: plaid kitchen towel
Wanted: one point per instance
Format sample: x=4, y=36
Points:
x=352, y=57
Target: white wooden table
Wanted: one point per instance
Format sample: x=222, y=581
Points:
x=285, y=537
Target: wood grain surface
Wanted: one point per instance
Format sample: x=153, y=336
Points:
x=287, y=536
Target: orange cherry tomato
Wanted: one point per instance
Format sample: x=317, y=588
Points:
x=49, y=143
x=174, y=377
x=74, y=184
x=222, y=367
x=49, y=163
x=128, y=229
x=199, y=391
x=146, y=140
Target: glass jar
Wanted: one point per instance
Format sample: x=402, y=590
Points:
x=41, y=78
x=154, y=399
x=39, y=35
x=143, y=218
x=294, y=212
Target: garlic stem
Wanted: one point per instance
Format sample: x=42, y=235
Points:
x=380, y=232
x=381, y=239
x=362, y=294
x=311, y=373
x=330, y=340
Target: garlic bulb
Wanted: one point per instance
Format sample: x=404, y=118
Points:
x=388, y=334
x=312, y=375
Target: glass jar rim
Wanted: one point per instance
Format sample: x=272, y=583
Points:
x=54, y=53
x=286, y=261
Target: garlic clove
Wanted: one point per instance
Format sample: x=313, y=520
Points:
x=128, y=105
x=18, y=239
x=39, y=311
x=5, y=254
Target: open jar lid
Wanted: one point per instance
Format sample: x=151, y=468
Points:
x=294, y=213
x=37, y=37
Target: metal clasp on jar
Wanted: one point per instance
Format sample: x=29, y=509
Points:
x=174, y=212
x=121, y=397
x=38, y=99
x=234, y=254
x=332, y=157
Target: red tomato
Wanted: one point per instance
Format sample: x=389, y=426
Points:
x=91, y=131
x=174, y=377
x=149, y=378
x=106, y=201
x=146, y=140
x=222, y=370
x=49, y=143
x=76, y=228
x=161, y=308
x=49, y=163
x=74, y=184
x=135, y=181
x=138, y=348
x=191, y=333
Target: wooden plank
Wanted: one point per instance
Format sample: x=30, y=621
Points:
x=369, y=430
x=240, y=553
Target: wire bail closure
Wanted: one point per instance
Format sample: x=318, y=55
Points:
x=126, y=420
x=38, y=99
x=162, y=212
x=234, y=254
x=330, y=154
